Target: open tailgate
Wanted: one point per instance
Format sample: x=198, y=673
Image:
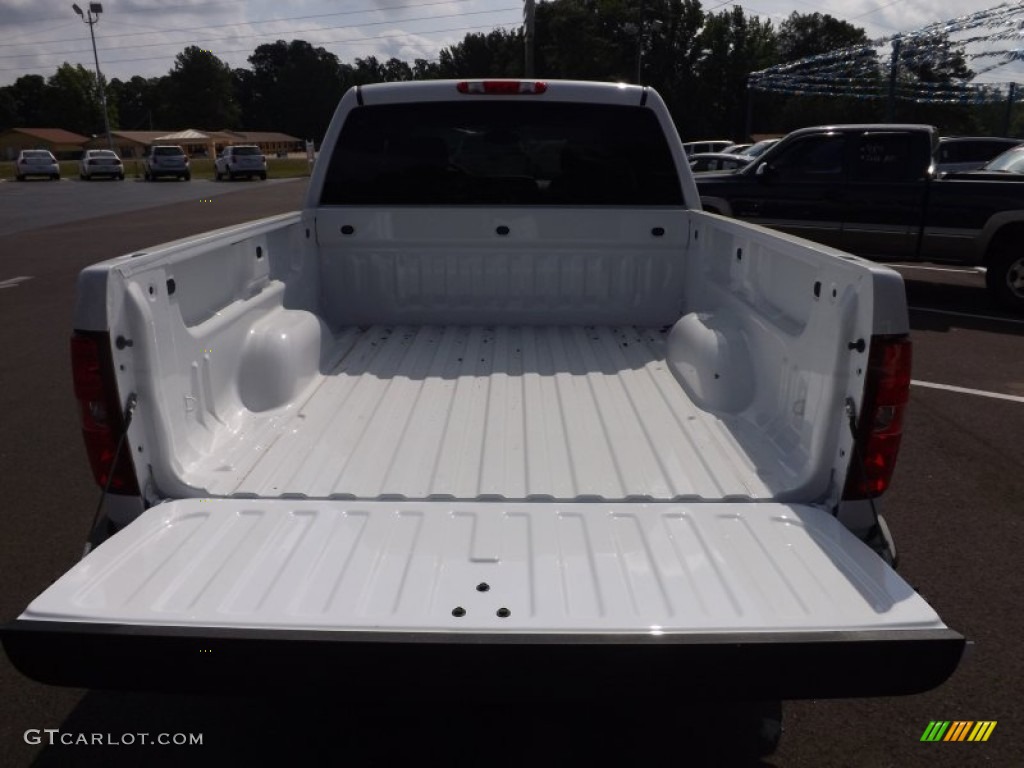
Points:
x=661, y=599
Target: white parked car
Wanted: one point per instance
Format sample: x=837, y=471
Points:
x=36, y=162
x=168, y=160
x=709, y=145
x=238, y=161
x=100, y=162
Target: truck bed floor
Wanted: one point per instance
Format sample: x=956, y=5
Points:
x=508, y=412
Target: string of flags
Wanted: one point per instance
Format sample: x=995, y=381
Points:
x=906, y=65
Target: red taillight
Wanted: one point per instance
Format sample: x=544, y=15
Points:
x=880, y=429
x=502, y=87
x=92, y=370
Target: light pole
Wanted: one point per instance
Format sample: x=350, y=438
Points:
x=91, y=17
x=643, y=32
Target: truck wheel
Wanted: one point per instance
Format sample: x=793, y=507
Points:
x=1004, y=277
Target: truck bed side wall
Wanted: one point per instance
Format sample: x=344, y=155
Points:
x=259, y=317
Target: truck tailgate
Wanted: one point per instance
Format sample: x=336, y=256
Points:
x=736, y=598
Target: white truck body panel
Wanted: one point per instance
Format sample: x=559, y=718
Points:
x=632, y=568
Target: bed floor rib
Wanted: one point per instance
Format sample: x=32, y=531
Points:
x=500, y=412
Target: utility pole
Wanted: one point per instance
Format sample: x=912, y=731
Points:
x=894, y=68
x=91, y=17
x=529, y=14
x=644, y=32
x=1009, y=109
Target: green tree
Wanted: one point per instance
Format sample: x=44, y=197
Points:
x=583, y=39
x=932, y=66
x=422, y=69
x=137, y=101
x=496, y=54
x=804, y=35
x=732, y=46
x=8, y=109
x=30, y=96
x=73, y=101
x=671, y=64
x=201, y=89
x=368, y=70
x=244, y=83
x=295, y=88
x=396, y=70
x=809, y=34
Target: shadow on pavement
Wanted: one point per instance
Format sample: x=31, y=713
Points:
x=925, y=295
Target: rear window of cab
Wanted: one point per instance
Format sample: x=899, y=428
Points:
x=502, y=153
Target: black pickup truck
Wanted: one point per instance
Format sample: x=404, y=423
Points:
x=872, y=190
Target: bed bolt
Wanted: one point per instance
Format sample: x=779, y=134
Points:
x=483, y=586
x=348, y=229
x=502, y=230
x=458, y=612
x=739, y=254
x=658, y=231
x=121, y=342
x=504, y=613
x=817, y=290
x=857, y=345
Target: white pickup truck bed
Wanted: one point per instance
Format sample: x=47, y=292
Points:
x=466, y=418
x=509, y=412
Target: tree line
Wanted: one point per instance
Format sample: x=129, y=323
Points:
x=697, y=60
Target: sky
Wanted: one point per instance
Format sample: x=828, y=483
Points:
x=142, y=37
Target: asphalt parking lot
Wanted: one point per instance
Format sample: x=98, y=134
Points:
x=37, y=203
x=956, y=511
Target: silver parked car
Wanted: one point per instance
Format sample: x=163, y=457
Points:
x=968, y=153
x=36, y=162
x=238, y=161
x=100, y=162
x=166, y=160
x=703, y=162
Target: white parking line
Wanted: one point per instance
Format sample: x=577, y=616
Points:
x=967, y=391
x=13, y=282
x=967, y=314
x=961, y=270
